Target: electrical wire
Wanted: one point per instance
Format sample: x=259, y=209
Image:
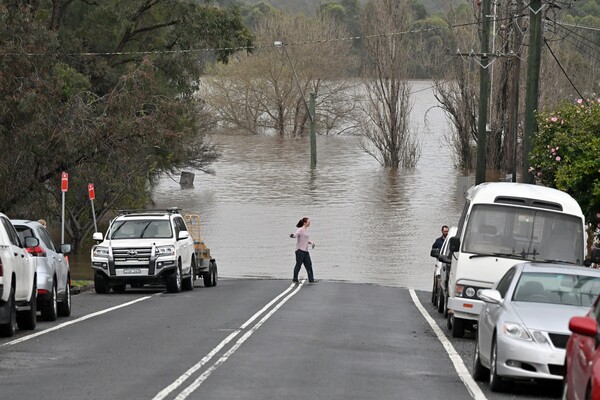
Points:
x=565, y=73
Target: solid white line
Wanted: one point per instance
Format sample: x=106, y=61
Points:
x=187, y=374
x=191, y=388
x=65, y=324
x=459, y=365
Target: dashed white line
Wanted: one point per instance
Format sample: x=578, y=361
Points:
x=459, y=365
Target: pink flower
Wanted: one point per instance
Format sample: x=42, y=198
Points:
x=598, y=215
x=554, y=119
x=553, y=150
x=557, y=158
x=579, y=101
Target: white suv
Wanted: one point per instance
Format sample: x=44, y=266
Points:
x=145, y=247
x=17, y=280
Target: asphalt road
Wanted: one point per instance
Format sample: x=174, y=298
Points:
x=246, y=339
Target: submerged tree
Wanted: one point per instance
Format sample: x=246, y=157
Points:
x=386, y=127
x=263, y=92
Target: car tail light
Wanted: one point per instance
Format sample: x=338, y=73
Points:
x=36, y=251
x=1, y=268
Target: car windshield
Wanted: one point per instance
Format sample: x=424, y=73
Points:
x=557, y=288
x=139, y=229
x=524, y=234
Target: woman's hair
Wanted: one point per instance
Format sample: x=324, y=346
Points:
x=301, y=222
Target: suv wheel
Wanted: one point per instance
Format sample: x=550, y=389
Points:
x=64, y=307
x=188, y=283
x=27, y=319
x=9, y=329
x=101, y=283
x=49, y=306
x=174, y=280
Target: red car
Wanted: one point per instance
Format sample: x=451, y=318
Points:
x=582, y=362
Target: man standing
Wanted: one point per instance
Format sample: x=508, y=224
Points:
x=440, y=241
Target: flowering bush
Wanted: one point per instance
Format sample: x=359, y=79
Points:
x=566, y=154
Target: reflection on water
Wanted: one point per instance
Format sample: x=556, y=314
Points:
x=370, y=224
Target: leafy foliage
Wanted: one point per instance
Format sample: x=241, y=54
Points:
x=565, y=153
x=107, y=92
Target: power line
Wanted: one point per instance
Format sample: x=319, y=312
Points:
x=565, y=72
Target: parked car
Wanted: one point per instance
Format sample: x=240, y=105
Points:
x=53, y=274
x=17, y=281
x=522, y=331
x=441, y=273
x=504, y=223
x=582, y=362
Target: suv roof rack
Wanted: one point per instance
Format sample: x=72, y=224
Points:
x=172, y=210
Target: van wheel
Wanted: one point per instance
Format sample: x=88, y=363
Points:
x=10, y=328
x=101, y=283
x=49, y=308
x=27, y=319
x=458, y=327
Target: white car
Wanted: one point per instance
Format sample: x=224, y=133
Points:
x=53, y=274
x=17, y=281
x=523, y=327
x=145, y=247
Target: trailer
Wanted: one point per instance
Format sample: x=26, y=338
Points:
x=206, y=266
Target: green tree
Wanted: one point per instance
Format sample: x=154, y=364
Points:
x=565, y=153
x=107, y=92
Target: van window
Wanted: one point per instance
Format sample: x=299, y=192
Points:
x=524, y=233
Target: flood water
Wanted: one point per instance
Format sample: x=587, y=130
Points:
x=371, y=225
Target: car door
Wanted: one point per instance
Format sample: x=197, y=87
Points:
x=584, y=353
x=23, y=269
x=57, y=260
x=185, y=245
x=489, y=317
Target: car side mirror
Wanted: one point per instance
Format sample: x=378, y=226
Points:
x=584, y=326
x=490, y=296
x=97, y=236
x=183, y=235
x=454, y=244
x=446, y=259
x=435, y=252
x=65, y=248
x=30, y=241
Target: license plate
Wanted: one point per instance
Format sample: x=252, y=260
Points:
x=132, y=271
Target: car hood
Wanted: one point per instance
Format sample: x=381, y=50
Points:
x=136, y=243
x=547, y=317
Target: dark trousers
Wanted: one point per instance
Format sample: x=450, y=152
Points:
x=302, y=257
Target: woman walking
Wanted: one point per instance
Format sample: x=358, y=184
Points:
x=302, y=255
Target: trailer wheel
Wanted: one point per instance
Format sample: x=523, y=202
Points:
x=215, y=273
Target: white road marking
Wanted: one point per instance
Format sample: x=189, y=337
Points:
x=187, y=374
x=459, y=365
x=65, y=324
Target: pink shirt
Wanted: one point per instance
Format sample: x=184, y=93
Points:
x=301, y=239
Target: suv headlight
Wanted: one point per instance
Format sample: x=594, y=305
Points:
x=100, y=251
x=165, y=250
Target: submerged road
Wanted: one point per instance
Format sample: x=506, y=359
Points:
x=247, y=339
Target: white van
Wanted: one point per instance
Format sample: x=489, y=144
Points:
x=502, y=224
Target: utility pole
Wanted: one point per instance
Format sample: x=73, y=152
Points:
x=484, y=83
x=515, y=87
x=533, y=83
x=310, y=109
